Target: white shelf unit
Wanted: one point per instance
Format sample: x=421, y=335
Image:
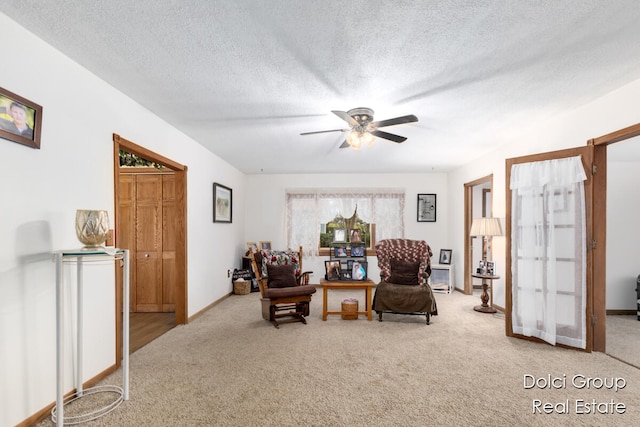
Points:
x=80, y=257
x=441, y=279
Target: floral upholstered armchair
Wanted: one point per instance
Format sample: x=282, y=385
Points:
x=284, y=289
x=405, y=266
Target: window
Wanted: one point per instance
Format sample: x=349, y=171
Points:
x=308, y=209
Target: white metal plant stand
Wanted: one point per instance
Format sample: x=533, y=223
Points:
x=80, y=256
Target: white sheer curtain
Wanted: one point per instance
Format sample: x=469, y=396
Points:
x=549, y=251
x=307, y=209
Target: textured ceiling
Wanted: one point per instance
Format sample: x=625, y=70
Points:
x=245, y=78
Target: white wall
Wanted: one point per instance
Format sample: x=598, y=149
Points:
x=573, y=128
x=40, y=191
x=265, y=221
x=623, y=233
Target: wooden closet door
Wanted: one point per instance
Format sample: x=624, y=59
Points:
x=169, y=229
x=148, y=244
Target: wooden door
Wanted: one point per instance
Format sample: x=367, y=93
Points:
x=148, y=244
x=169, y=237
x=147, y=227
x=587, y=155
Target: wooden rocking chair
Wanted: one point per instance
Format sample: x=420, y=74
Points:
x=284, y=289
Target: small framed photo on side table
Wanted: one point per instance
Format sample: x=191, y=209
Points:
x=445, y=256
x=332, y=270
x=357, y=251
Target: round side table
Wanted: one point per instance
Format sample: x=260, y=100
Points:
x=484, y=297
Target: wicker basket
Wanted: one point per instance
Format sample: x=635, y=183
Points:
x=350, y=305
x=241, y=287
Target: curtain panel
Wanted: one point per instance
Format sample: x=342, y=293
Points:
x=307, y=209
x=549, y=251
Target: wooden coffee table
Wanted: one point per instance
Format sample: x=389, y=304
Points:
x=366, y=285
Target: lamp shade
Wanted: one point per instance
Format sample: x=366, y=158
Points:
x=485, y=227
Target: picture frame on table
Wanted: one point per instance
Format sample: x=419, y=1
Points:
x=339, y=251
x=355, y=235
x=222, y=203
x=332, y=270
x=252, y=247
x=20, y=119
x=357, y=251
x=359, y=270
x=339, y=234
x=445, y=256
x=491, y=268
x=427, y=207
x=265, y=245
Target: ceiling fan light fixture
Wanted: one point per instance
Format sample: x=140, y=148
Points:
x=364, y=129
x=368, y=139
x=354, y=140
x=357, y=138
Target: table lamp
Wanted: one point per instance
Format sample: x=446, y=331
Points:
x=485, y=228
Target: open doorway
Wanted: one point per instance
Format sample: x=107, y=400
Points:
x=161, y=255
x=477, y=203
x=622, y=250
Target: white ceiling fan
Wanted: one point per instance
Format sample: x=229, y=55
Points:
x=364, y=129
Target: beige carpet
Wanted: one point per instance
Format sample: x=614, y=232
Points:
x=230, y=367
x=623, y=338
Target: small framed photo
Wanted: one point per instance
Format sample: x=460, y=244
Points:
x=252, y=246
x=426, y=208
x=345, y=275
x=491, y=268
x=359, y=270
x=355, y=235
x=222, y=203
x=339, y=251
x=357, y=251
x=339, y=234
x=20, y=119
x=265, y=245
x=332, y=270
x=445, y=256
x=481, y=267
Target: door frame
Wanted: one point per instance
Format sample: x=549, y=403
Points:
x=180, y=171
x=596, y=234
x=600, y=145
x=468, y=219
x=594, y=304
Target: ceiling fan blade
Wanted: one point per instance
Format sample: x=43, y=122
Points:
x=324, y=131
x=395, y=121
x=345, y=144
x=346, y=117
x=389, y=136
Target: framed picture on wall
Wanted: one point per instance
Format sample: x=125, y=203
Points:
x=426, y=208
x=222, y=203
x=20, y=119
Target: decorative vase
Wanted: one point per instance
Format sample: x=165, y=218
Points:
x=92, y=228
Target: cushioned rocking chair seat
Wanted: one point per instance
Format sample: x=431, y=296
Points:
x=293, y=291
